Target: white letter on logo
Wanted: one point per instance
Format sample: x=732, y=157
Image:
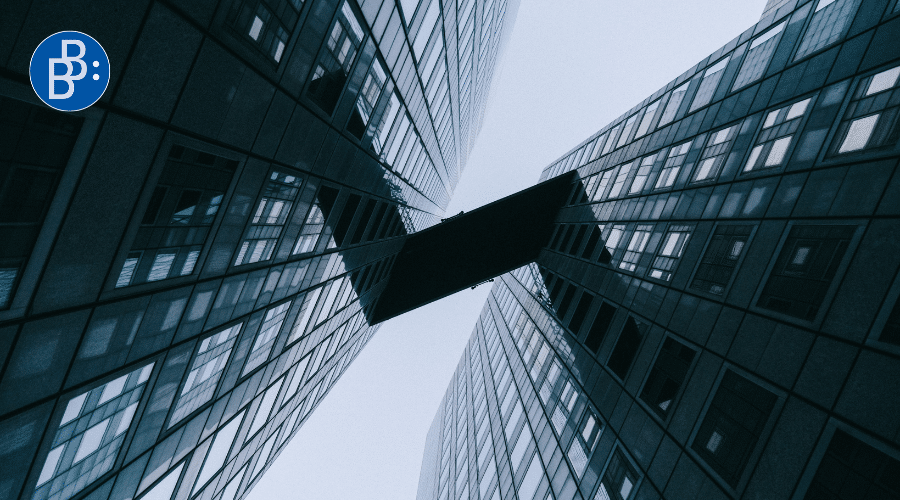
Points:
x=67, y=60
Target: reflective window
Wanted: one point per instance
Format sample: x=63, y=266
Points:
x=267, y=24
x=164, y=489
x=714, y=154
x=649, y=113
x=829, y=22
x=602, y=184
x=624, y=170
x=675, y=99
x=384, y=125
x=733, y=425
x=626, y=131
x=336, y=59
x=635, y=248
x=584, y=441
x=775, y=137
x=371, y=89
x=720, y=260
x=708, y=84
x=758, y=56
x=264, y=410
x=203, y=376
x=640, y=178
x=619, y=479
x=269, y=218
x=218, y=452
x=871, y=119
x=805, y=267
x=613, y=134
x=266, y=336
x=89, y=436
x=673, y=164
x=179, y=216
x=671, y=250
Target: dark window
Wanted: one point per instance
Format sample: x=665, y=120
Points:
x=35, y=145
x=593, y=239
x=557, y=232
x=579, y=236
x=267, y=24
x=871, y=119
x=666, y=376
x=179, y=216
x=379, y=216
x=852, y=469
x=599, y=327
x=363, y=222
x=721, y=258
x=891, y=331
x=566, y=301
x=557, y=287
x=564, y=240
x=336, y=59
x=346, y=218
x=804, y=270
x=626, y=348
x=580, y=312
x=619, y=479
x=732, y=426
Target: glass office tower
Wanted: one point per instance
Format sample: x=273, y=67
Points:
x=716, y=315
x=186, y=267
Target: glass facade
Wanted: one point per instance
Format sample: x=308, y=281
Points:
x=715, y=313
x=187, y=269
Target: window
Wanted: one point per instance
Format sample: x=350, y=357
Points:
x=614, y=238
x=218, y=452
x=179, y=216
x=721, y=258
x=673, y=164
x=379, y=141
x=613, y=134
x=619, y=479
x=640, y=178
x=804, y=269
x=635, y=248
x=626, y=348
x=37, y=143
x=263, y=411
x=649, y=113
x=871, y=118
x=269, y=218
x=758, y=56
x=267, y=24
x=305, y=314
x=675, y=99
x=666, y=376
x=775, y=138
x=620, y=179
x=90, y=434
x=336, y=59
x=266, y=336
x=314, y=225
x=626, y=131
x=599, y=327
x=708, y=84
x=584, y=441
x=732, y=426
x=714, y=154
x=602, y=184
x=203, y=377
x=853, y=469
x=672, y=249
x=829, y=22
x=564, y=406
x=368, y=97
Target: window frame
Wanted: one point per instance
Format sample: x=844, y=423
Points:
x=737, y=266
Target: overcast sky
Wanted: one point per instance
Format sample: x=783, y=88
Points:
x=571, y=67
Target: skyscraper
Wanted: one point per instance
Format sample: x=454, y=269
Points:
x=716, y=313
x=186, y=268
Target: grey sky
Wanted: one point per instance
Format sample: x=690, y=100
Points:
x=571, y=66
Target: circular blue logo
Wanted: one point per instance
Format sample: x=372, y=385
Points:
x=69, y=71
